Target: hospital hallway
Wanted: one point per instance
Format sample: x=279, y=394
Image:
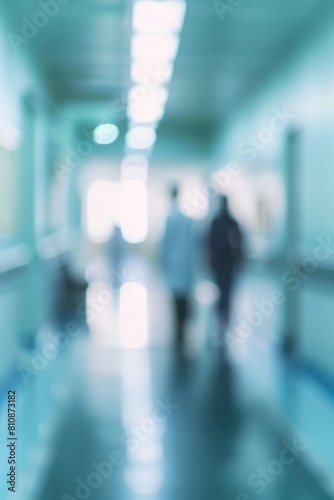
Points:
x=166, y=249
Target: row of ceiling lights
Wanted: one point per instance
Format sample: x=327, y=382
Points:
x=156, y=35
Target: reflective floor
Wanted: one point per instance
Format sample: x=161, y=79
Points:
x=121, y=413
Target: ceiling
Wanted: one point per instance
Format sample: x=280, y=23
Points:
x=83, y=53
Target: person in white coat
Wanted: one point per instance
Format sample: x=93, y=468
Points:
x=178, y=262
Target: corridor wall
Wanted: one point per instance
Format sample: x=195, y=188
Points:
x=297, y=97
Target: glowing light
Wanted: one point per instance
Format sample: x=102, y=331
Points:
x=154, y=47
x=147, y=75
x=106, y=133
x=133, y=211
x=138, y=93
x=10, y=138
x=158, y=17
x=101, y=210
x=140, y=137
x=133, y=315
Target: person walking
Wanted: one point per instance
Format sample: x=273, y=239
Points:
x=178, y=262
x=225, y=247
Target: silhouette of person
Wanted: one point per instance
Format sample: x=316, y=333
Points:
x=225, y=247
x=178, y=262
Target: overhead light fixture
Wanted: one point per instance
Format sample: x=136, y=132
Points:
x=140, y=137
x=154, y=47
x=139, y=94
x=145, y=114
x=144, y=74
x=158, y=16
x=106, y=133
x=146, y=107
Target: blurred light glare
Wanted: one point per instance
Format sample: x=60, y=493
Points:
x=133, y=315
x=146, y=114
x=144, y=74
x=138, y=93
x=106, y=133
x=154, y=47
x=159, y=16
x=140, y=137
x=10, y=138
x=146, y=107
x=134, y=211
x=101, y=210
x=143, y=480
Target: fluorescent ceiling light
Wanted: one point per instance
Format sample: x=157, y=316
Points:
x=140, y=137
x=154, y=47
x=146, y=74
x=106, y=133
x=139, y=95
x=146, y=107
x=146, y=114
x=158, y=16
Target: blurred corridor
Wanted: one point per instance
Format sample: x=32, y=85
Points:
x=126, y=128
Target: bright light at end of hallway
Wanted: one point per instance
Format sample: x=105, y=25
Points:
x=133, y=315
x=158, y=16
x=134, y=211
x=101, y=210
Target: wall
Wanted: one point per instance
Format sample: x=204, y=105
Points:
x=304, y=86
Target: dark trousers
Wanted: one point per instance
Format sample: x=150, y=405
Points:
x=181, y=312
x=225, y=281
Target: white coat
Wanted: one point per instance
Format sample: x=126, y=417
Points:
x=178, y=253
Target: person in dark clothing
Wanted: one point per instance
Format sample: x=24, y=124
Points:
x=225, y=246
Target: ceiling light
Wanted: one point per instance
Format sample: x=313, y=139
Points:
x=158, y=16
x=140, y=137
x=106, y=133
x=154, y=47
x=146, y=115
x=139, y=94
x=146, y=74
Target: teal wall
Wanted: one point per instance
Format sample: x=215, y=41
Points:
x=25, y=182
x=304, y=84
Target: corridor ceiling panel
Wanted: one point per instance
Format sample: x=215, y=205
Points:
x=83, y=52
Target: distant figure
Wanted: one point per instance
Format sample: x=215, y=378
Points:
x=178, y=262
x=225, y=244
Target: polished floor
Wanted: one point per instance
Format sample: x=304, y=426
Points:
x=121, y=413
